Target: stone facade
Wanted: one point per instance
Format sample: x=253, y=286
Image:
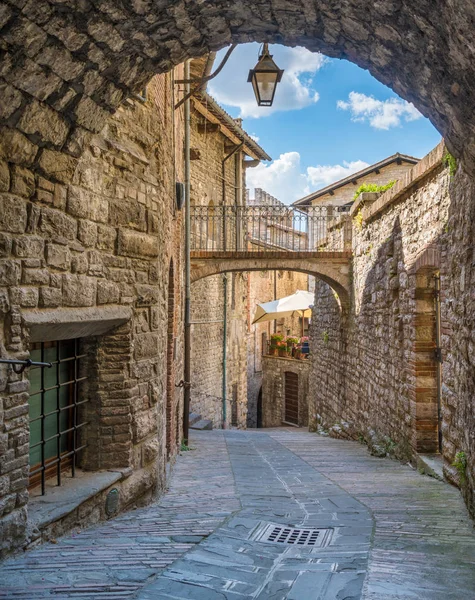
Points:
x=375, y=372
x=87, y=250
x=275, y=380
x=210, y=147
x=262, y=287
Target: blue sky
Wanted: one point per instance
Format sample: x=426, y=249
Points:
x=330, y=118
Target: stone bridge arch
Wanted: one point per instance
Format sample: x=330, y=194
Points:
x=79, y=60
x=333, y=267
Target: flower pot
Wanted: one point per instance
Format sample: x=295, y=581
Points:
x=283, y=353
x=272, y=351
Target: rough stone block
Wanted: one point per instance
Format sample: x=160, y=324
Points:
x=79, y=290
x=59, y=196
x=106, y=237
x=10, y=272
x=16, y=148
x=50, y=297
x=146, y=346
x=107, y=292
x=150, y=450
x=28, y=246
x=58, y=256
x=4, y=176
x=54, y=223
x=35, y=276
x=44, y=123
x=10, y=100
x=58, y=165
x=132, y=243
x=26, y=297
x=147, y=295
x=79, y=263
x=23, y=181
x=13, y=214
x=6, y=244
x=87, y=233
x=90, y=115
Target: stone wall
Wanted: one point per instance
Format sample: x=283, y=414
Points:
x=207, y=294
x=86, y=248
x=375, y=370
x=274, y=369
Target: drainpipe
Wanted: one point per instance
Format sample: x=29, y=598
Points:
x=225, y=281
x=438, y=357
x=187, y=357
x=225, y=343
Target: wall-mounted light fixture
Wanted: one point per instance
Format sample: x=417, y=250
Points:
x=264, y=78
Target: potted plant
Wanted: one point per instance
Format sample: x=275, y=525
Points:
x=291, y=344
x=275, y=338
x=282, y=348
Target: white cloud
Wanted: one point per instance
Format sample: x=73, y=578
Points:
x=380, y=114
x=255, y=137
x=322, y=175
x=295, y=91
x=284, y=179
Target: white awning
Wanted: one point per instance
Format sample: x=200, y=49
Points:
x=301, y=302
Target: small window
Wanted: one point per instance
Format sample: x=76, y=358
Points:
x=55, y=411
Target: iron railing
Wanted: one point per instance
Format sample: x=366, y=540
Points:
x=270, y=228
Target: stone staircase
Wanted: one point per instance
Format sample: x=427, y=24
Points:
x=196, y=422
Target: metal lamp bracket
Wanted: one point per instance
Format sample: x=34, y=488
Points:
x=18, y=366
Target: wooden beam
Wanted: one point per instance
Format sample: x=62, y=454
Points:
x=224, y=130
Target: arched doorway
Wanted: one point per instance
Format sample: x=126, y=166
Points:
x=259, y=409
x=291, y=404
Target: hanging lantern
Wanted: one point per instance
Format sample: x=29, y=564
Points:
x=264, y=78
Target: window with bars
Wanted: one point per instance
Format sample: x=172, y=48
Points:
x=55, y=410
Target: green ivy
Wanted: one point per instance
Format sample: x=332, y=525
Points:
x=325, y=337
x=373, y=187
x=451, y=162
x=358, y=220
x=460, y=463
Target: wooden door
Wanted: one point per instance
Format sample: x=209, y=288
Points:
x=291, y=398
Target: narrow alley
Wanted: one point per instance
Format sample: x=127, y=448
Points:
x=385, y=531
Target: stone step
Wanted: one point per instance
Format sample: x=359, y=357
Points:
x=202, y=424
x=194, y=418
x=432, y=465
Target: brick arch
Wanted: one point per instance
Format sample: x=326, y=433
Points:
x=71, y=67
x=334, y=272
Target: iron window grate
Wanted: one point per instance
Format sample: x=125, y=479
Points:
x=297, y=536
x=56, y=411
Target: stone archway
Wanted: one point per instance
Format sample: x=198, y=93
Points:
x=72, y=68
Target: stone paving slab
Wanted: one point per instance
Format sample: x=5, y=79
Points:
x=395, y=534
x=274, y=486
x=424, y=541
x=115, y=559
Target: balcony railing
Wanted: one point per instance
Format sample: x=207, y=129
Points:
x=269, y=229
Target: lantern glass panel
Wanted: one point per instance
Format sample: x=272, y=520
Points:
x=266, y=83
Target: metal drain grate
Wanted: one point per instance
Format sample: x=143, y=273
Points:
x=279, y=534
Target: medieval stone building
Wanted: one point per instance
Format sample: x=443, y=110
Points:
x=91, y=276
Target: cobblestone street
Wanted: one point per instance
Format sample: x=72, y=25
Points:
x=393, y=534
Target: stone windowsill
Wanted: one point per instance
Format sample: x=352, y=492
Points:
x=60, y=501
